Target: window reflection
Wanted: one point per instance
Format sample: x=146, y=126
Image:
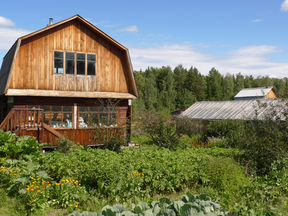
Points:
x=58, y=116
x=91, y=61
x=58, y=63
x=97, y=117
x=70, y=63
x=80, y=64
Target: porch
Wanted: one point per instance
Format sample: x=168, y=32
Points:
x=89, y=128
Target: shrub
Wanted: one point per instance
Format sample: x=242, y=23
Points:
x=114, y=144
x=263, y=142
x=221, y=128
x=15, y=147
x=141, y=140
x=190, y=127
x=224, y=174
x=66, y=146
x=193, y=141
x=217, y=142
x=163, y=134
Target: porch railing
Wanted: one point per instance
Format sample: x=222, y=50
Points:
x=28, y=121
x=22, y=118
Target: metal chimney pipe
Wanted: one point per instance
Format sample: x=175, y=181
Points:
x=50, y=21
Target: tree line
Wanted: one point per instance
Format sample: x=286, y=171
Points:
x=167, y=89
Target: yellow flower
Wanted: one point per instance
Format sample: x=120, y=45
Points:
x=39, y=191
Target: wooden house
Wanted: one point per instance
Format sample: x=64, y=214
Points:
x=70, y=80
x=256, y=93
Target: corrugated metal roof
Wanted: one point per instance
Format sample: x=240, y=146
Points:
x=238, y=109
x=253, y=92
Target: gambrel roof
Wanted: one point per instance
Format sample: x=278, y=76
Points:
x=8, y=60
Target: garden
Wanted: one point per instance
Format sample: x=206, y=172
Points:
x=231, y=169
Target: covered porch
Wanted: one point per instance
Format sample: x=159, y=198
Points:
x=86, y=122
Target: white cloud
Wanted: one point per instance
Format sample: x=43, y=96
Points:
x=6, y=22
x=9, y=33
x=251, y=60
x=130, y=29
x=256, y=20
x=170, y=55
x=284, y=6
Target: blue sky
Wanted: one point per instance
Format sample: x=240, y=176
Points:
x=247, y=36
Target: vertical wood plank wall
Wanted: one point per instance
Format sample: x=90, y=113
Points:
x=34, y=63
x=271, y=95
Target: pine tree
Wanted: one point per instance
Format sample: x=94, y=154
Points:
x=214, y=85
x=228, y=87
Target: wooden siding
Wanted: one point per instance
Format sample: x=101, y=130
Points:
x=33, y=67
x=68, y=94
x=6, y=67
x=80, y=136
x=271, y=95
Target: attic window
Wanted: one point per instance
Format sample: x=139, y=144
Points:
x=81, y=64
x=91, y=61
x=58, y=62
x=70, y=57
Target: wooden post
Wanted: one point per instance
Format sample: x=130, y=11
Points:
x=128, y=121
x=75, y=116
x=37, y=124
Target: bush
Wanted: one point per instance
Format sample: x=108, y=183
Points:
x=190, y=127
x=14, y=147
x=221, y=128
x=114, y=144
x=224, y=174
x=263, y=142
x=193, y=141
x=141, y=140
x=217, y=142
x=65, y=146
x=163, y=134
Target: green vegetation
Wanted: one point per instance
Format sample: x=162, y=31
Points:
x=78, y=181
x=188, y=205
x=166, y=90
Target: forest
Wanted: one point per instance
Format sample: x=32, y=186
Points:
x=167, y=89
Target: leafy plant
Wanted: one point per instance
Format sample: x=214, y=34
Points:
x=188, y=205
x=14, y=147
x=114, y=144
x=39, y=193
x=163, y=134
